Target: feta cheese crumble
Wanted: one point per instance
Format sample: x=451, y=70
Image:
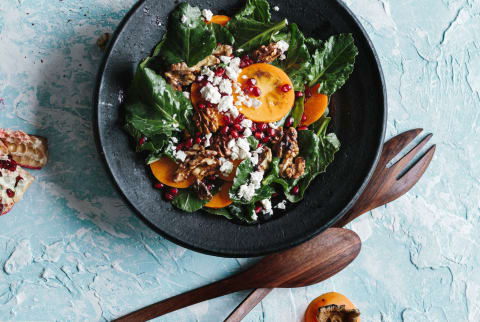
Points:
x=283, y=45
x=184, y=19
x=282, y=205
x=211, y=94
x=180, y=155
x=276, y=8
x=225, y=86
x=267, y=206
x=207, y=14
x=226, y=167
x=186, y=94
x=207, y=140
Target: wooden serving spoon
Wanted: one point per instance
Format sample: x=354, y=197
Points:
x=386, y=185
x=307, y=264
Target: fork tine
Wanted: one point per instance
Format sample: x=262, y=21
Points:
x=402, y=163
x=410, y=178
x=396, y=144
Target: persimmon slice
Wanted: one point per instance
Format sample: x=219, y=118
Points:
x=219, y=20
x=275, y=103
x=164, y=169
x=315, y=106
x=222, y=198
x=196, y=98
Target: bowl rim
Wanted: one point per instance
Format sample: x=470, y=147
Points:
x=100, y=146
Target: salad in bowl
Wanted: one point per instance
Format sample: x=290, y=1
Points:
x=232, y=112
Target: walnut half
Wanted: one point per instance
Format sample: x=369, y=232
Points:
x=266, y=54
x=206, y=120
x=199, y=163
x=286, y=147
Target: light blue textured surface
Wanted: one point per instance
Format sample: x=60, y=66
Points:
x=78, y=252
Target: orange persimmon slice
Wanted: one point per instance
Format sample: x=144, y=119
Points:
x=219, y=20
x=324, y=300
x=231, y=176
x=196, y=98
x=164, y=169
x=315, y=106
x=275, y=104
x=222, y=198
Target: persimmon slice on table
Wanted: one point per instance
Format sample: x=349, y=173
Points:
x=163, y=171
x=275, y=103
x=315, y=106
x=222, y=198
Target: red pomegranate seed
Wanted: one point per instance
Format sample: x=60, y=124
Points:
x=159, y=185
x=12, y=166
x=302, y=128
x=189, y=143
x=258, y=209
x=234, y=134
x=275, y=194
x=298, y=94
x=227, y=120
x=258, y=135
x=220, y=71
x=202, y=106
x=141, y=141
x=308, y=92
x=173, y=191
x=198, y=140
x=240, y=118
x=285, y=88
x=209, y=186
x=289, y=122
x=225, y=130
x=204, y=82
x=251, y=82
x=256, y=91
x=180, y=146
x=304, y=117
x=262, y=126
x=169, y=196
x=271, y=132
x=209, y=105
x=266, y=139
x=259, y=145
x=238, y=127
x=10, y=193
x=247, y=90
x=295, y=190
x=254, y=126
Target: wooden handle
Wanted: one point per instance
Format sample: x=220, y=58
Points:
x=217, y=289
x=248, y=304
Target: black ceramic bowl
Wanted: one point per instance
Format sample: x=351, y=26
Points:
x=358, y=111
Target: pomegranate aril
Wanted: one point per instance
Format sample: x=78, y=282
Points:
x=202, y=106
x=298, y=94
x=198, y=140
x=251, y=82
x=262, y=126
x=258, y=135
x=220, y=71
x=189, y=143
x=209, y=105
x=259, y=145
x=159, y=185
x=289, y=122
x=225, y=130
x=17, y=180
x=275, y=194
x=302, y=128
x=173, y=191
x=10, y=193
x=13, y=166
x=308, y=92
x=240, y=118
x=227, y=120
x=234, y=134
x=209, y=187
x=204, y=83
x=258, y=209
x=271, y=132
x=180, y=146
x=169, y=196
x=266, y=139
x=295, y=190
x=304, y=117
x=285, y=88
x=142, y=141
x=237, y=127
x=256, y=91
x=254, y=126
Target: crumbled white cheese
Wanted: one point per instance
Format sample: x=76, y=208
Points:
x=246, y=123
x=231, y=144
x=244, y=76
x=226, y=167
x=282, y=57
x=283, y=45
x=247, y=132
x=282, y=205
x=276, y=8
x=225, y=105
x=207, y=140
x=208, y=73
x=186, y=94
x=256, y=178
x=267, y=206
x=225, y=86
x=242, y=143
x=217, y=80
x=225, y=59
x=254, y=215
x=184, y=19
x=180, y=155
x=254, y=159
x=240, y=50
x=246, y=191
x=233, y=69
x=273, y=125
x=207, y=14
x=211, y=94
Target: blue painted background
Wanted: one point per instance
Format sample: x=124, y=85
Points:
x=72, y=250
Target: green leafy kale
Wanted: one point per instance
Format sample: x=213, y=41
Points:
x=222, y=35
x=297, y=111
x=188, y=38
x=251, y=27
x=188, y=201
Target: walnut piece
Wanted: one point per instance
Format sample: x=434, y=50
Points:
x=202, y=190
x=335, y=313
x=180, y=74
x=266, y=54
x=219, y=143
x=199, y=163
x=286, y=147
x=264, y=158
x=206, y=120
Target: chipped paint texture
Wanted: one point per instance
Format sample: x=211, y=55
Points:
x=72, y=250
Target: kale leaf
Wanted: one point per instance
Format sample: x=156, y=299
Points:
x=242, y=176
x=188, y=201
